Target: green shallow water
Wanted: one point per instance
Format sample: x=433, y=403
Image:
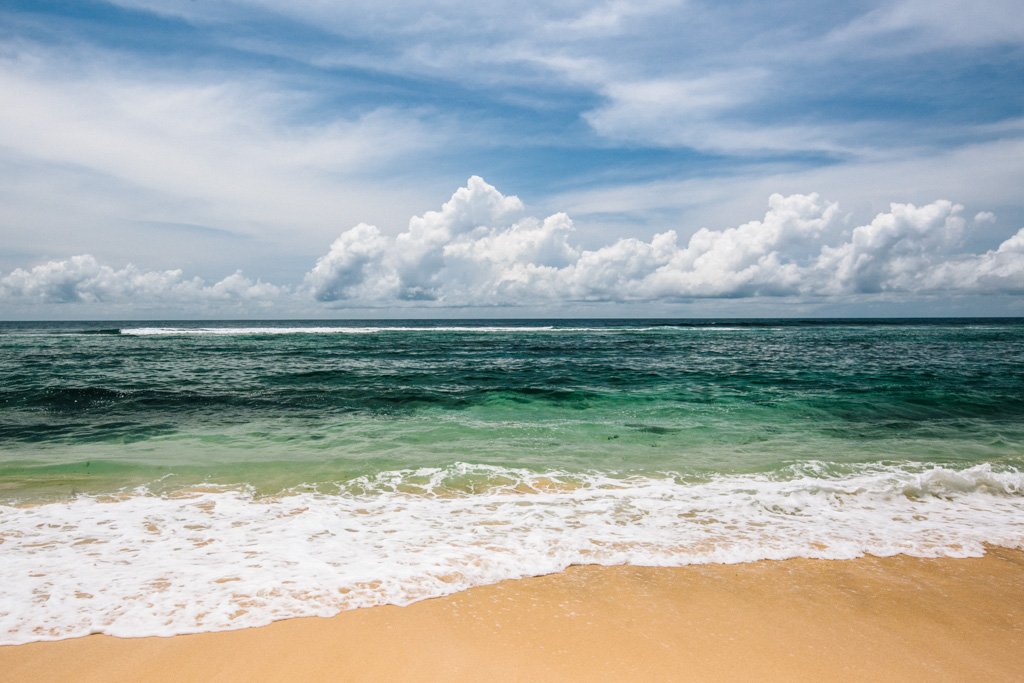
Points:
x=96, y=407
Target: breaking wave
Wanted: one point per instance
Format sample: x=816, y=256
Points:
x=218, y=558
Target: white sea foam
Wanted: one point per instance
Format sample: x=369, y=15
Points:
x=478, y=329
x=203, y=560
x=229, y=331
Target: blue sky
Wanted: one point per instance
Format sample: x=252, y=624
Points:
x=150, y=150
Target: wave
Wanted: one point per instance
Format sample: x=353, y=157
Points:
x=217, y=558
x=229, y=331
x=382, y=329
x=157, y=332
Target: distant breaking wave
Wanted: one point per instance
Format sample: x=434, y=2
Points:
x=477, y=329
x=179, y=331
x=218, y=558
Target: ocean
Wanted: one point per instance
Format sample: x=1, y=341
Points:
x=174, y=477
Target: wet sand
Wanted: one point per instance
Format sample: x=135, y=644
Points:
x=896, y=618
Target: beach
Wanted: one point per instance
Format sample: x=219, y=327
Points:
x=588, y=341
x=531, y=500
x=895, y=618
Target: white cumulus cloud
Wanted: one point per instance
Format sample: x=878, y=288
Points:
x=480, y=249
x=83, y=279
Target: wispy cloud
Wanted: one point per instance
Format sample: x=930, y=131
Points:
x=918, y=25
x=92, y=143
x=696, y=75
x=206, y=139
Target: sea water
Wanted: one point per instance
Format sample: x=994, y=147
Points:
x=173, y=477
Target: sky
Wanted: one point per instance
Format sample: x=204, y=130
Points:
x=314, y=159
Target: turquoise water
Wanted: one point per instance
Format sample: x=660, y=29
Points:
x=94, y=407
x=333, y=465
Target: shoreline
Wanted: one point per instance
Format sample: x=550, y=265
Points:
x=894, y=618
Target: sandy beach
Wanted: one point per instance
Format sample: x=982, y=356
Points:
x=897, y=618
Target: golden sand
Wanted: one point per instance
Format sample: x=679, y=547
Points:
x=869, y=619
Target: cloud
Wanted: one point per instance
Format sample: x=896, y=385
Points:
x=895, y=251
x=480, y=250
x=438, y=247
x=714, y=77
x=84, y=280
x=344, y=268
x=281, y=118
x=609, y=18
x=998, y=270
x=96, y=148
x=982, y=175
x=707, y=113
x=933, y=24
x=203, y=137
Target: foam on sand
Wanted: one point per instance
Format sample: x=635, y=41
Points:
x=221, y=558
x=879, y=619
